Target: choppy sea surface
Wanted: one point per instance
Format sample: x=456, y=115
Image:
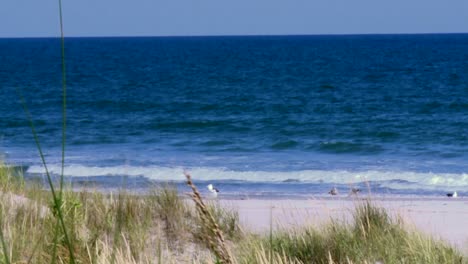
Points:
x=257, y=116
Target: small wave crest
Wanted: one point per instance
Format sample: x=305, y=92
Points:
x=337, y=147
x=288, y=144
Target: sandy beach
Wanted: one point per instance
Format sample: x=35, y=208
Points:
x=442, y=218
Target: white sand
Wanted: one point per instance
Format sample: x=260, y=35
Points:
x=14, y=202
x=445, y=218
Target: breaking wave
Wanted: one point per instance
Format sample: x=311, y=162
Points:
x=389, y=179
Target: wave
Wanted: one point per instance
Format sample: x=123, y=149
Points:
x=349, y=147
x=390, y=179
x=288, y=144
x=14, y=122
x=224, y=125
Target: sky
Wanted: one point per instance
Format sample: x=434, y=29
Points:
x=39, y=18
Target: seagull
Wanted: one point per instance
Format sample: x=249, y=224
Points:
x=454, y=194
x=355, y=191
x=213, y=190
x=333, y=191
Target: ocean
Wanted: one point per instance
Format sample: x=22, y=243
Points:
x=257, y=116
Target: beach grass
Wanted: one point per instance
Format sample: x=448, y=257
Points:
x=103, y=228
x=164, y=226
x=372, y=237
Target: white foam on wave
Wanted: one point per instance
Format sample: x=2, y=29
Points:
x=416, y=179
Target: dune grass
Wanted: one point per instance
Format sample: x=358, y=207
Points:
x=372, y=237
x=164, y=227
x=158, y=227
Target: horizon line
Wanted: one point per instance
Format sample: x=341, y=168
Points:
x=238, y=35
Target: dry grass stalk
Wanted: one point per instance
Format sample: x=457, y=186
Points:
x=263, y=256
x=217, y=243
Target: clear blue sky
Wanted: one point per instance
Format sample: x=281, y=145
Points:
x=37, y=18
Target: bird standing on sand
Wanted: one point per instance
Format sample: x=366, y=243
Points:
x=214, y=192
x=355, y=191
x=333, y=191
x=453, y=195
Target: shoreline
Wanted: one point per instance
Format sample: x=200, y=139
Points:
x=234, y=189
x=168, y=220
x=438, y=216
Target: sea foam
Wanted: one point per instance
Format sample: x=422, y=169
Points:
x=389, y=179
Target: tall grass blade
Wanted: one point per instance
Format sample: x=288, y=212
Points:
x=215, y=238
x=118, y=226
x=64, y=96
x=57, y=201
x=2, y=238
x=64, y=117
x=54, y=249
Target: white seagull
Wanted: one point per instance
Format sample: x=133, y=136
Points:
x=454, y=194
x=214, y=192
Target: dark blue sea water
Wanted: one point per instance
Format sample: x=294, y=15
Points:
x=284, y=115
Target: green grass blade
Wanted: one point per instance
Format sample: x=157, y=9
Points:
x=54, y=249
x=64, y=96
x=64, y=122
x=56, y=199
